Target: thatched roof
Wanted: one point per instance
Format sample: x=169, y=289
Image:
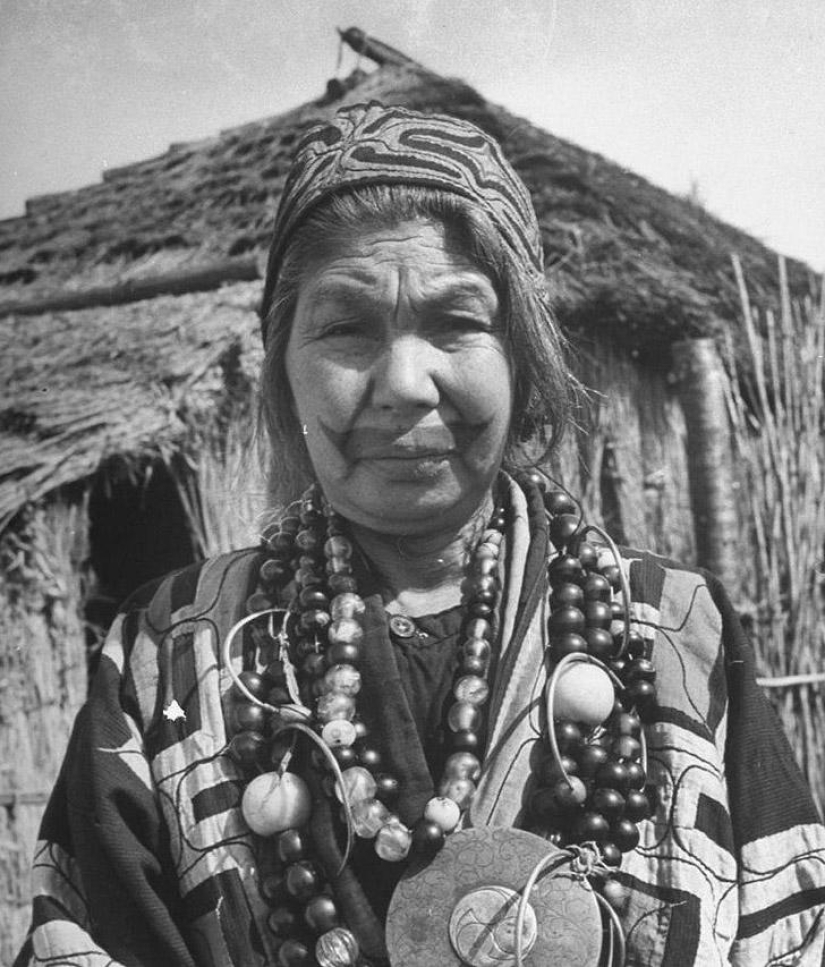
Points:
x=625, y=258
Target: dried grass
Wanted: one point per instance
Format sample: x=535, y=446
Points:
x=777, y=407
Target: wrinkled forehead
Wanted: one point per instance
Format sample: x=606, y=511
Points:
x=370, y=144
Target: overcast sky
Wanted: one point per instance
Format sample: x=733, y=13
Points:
x=722, y=97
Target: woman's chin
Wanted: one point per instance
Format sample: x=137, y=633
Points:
x=409, y=496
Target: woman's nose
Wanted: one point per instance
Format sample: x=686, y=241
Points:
x=404, y=374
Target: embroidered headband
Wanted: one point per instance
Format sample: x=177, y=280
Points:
x=370, y=144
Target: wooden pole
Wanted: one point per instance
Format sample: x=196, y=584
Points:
x=701, y=377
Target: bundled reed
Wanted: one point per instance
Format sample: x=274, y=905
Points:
x=777, y=408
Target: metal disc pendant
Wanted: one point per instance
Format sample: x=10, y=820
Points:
x=462, y=909
x=402, y=626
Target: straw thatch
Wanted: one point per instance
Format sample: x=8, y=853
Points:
x=130, y=338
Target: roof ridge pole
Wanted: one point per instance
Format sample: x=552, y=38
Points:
x=713, y=493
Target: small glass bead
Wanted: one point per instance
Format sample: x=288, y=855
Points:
x=346, y=631
x=334, y=706
x=358, y=784
x=462, y=765
x=444, y=812
x=393, y=841
x=347, y=605
x=343, y=679
x=306, y=540
x=337, y=565
x=369, y=816
x=337, y=948
x=338, y=733
x=472, y=689
x=338, y=547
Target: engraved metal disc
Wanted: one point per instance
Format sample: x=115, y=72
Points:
x=462, y=908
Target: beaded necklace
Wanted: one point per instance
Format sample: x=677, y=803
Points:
x=589, y=785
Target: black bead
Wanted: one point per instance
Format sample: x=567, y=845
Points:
x=345, y=756
x=567, y=594
x=249, y=717
x=386, y=787
x=479, y=609
x=625, y=834
x=641, y=695
x=617, y=612
x=321, y=914
x=471, y=665
x=567, y=644
x=370, y=759
x=626, y=723
x=427, y=837
x=536, y=479
x=558, y=502
x=283, y=921
x=609, y=802
x=599, y=643
x=597, y=614
x=637, y=806
x=290, y=846
x=550, y=771
x=636, y=645
x=613, y=775
x=590, y=759
x=597, y=588
x=640, y=669
x=302, y=880
x=565, y=568
x=613, y=574
x=611, y=854
x=272, y=888
x=636, y=776
x=248, y=749
x=275, y=672
x=626, y=747
x=314, y=598
x=343, y=653
x=564, y=528
x=565, y=620
x=587, y=554
x=568, y=736
x=592, y=826
x=255, y=683
x=465, y=740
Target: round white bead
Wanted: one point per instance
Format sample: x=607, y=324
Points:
x=274, y=802
x=584, y=693
x=444, y=812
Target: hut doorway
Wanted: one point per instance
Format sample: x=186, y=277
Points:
x=138, y=531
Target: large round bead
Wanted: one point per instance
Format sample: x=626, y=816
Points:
x=356, y=785
x=393, y=841
x=472, y=689
x=368, y=816
x=347, y=605
x=345, y=631
x=344, y=679
x=583, y=693
x=276, y=801
x=334, y=706
x=337, y=948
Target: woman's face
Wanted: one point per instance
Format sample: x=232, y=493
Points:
x=398, y=369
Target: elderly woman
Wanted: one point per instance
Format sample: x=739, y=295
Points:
x=434, y=719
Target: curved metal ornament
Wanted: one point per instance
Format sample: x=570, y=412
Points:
x=462, y=909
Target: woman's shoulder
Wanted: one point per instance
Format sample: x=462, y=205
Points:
x=203, y=585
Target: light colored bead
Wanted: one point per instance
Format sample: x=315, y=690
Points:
x=472, y=689
x=463, y=716
x=338, y=732
x=335, y=706
x=444, y=812
x=338, y=546
x=347, y=605
x=583, y=693
x=369, y=816
x=393, y=841
x=462, y=765
x=274, y=802
x=461, y=791
x=343, y=679
x=337, y=948
x=492, y=536
x=345, y=631
x=358, y=784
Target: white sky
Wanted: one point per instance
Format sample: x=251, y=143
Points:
x=725, y=95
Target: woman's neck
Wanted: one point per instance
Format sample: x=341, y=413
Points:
x=422, y=574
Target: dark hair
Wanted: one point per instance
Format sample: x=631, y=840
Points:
x=543, y=385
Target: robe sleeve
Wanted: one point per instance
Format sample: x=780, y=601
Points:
x=104, y=892
x=777, y=834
